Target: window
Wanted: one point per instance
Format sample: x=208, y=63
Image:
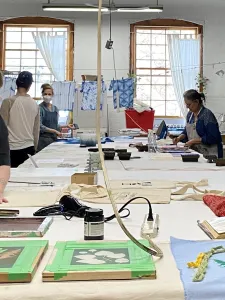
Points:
x=21, y=53
x=150, y=62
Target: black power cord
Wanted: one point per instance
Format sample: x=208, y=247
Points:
x=70, y=207
x=150, y=214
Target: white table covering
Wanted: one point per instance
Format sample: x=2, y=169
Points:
x=178, y=219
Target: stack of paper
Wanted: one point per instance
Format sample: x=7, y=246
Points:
x=215, y=228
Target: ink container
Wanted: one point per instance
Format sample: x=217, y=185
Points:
x=93, y=224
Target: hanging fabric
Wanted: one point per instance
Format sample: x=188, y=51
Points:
x=8, y=89
x=50, y=45
x=64, y=94
x=124, y=89
x=89, y=99
x=185, y=65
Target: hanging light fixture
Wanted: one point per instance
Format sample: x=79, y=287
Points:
x=92, y=8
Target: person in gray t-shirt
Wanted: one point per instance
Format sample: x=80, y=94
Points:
x=21, y=116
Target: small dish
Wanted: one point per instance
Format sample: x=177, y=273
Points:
x=109, y=155
x=190, y=157
x=121, y=151
x=220, y=162
x=124, y=155
x=93, y=150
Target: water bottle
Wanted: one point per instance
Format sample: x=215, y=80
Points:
x=152, y=146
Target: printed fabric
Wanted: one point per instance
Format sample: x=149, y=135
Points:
x=64, y=94
x=90, y=91
x=124, y=90
x=212, y=287
x=216, y=204
x=8, y=89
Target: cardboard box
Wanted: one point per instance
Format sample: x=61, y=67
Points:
x=84, y=178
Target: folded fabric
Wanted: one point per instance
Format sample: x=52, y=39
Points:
x=212, y=287
x=197, y=195
x=83, y=191
x=99, y=194
x=216, y=204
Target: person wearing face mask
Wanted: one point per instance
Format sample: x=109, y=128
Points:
x=202, y=132
x=49, y=116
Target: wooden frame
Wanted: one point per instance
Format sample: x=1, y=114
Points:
x=70, y=261
x=19, y=260
x=42, y=225
x=162, y=24
x=40, y=22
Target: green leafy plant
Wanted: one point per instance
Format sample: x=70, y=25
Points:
x=201, y=82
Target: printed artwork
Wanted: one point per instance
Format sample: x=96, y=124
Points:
x=15, y=227
x=99, y=260
x=100, y=257
x=19, y=259
x=9, y=255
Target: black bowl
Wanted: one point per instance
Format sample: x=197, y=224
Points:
x=109, y=155
x=93, y=149
x=190, y=157
x=143, y=148
x=121, y=151
x=124, y=155
x=108, y=149
x=220, y=162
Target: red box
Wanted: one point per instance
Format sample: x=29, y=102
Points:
x=143, y=120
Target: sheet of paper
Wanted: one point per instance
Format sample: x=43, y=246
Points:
x=218, y=224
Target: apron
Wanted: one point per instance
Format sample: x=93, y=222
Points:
x=201, y=148
x=50, y=121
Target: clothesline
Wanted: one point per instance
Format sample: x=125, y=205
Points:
x=146, y=68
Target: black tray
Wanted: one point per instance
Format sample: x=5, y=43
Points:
x=190, y=157
x=124, y=155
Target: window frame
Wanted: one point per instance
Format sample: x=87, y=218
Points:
x=162, y=24
x=40, y=22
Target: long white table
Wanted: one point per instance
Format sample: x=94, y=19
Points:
x=178, y=219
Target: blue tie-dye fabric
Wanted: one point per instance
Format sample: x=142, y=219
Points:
x=125, y=89
x=213, y=285
x=89, y=90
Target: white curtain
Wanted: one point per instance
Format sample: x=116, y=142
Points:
x=53, y=49
x=184, y=57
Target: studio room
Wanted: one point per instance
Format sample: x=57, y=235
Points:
x=112, y=134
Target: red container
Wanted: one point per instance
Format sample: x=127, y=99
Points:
x=143, y=120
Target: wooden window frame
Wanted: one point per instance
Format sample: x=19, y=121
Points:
x=41, y=22
x=162, y=24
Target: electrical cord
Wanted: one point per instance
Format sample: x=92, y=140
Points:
x=71, y=207
x=150, y=215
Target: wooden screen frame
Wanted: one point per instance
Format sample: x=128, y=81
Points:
x=41, y=22
x=169, y=23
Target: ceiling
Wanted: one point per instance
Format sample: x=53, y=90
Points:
x=217, y=3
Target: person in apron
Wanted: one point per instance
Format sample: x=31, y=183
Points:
x=201, y=132
x=49, y=115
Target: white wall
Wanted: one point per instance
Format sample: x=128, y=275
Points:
x=86, y=45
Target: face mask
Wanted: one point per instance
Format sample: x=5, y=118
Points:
x=47, y=99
